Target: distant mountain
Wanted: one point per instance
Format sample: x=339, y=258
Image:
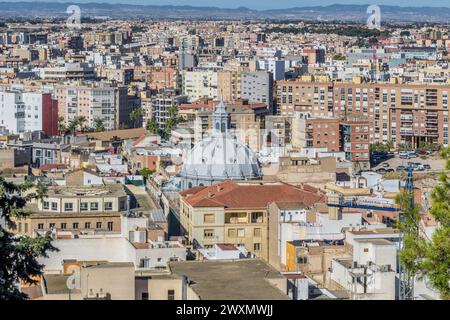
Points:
x=321, y=13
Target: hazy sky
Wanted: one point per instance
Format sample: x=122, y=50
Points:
x=270, y=4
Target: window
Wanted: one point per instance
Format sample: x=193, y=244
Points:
x=108, y=206
x=208, y=218
x=232, y=233
x=257, y=247
x=98, y=225
x=122, y=205
x=87, y=225
x=144, y=296
x=52, y=225
x=145, y=263
x=54, y=206
x=302, y=260
x=68, y=206
x=83, y=206
x=257, y=217
x=170, y=294
x=75, y=225
x=208, y=233
x=110, y=226
x=45, y=205
x=241, y=233
x=257, y=232
x=63, y=226
x=94, y=206
x=366, y=249
x=40, y=226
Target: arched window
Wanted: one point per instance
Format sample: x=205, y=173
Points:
x=190, y=185
x=223, y=127
x=217, y=126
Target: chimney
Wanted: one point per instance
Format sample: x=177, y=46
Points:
x=219, y=188
x=210, y=194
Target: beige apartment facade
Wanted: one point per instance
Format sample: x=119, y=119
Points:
x=400, y=113
x=75, y=209
x=236, y=213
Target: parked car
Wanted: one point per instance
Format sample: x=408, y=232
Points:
x=427, y=167
x=386, y=165
x=401, y=168
x=390, y=170
x=381, y=170
x=404, y=155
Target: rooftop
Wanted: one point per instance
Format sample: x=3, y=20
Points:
x=231, y=279
x=231, y=194
x=110, y=190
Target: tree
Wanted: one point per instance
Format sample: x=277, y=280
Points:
x=152, y=126
x=146, y=172
x=82, y=122
x=135, y=115
x=436, y=261
x=61, y=125
x=379, y=147
x=98, y=125
x=77, y=122
x=430, y=257
x=172, y=121
x=18, y=255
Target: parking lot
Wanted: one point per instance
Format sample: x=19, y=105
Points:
x=435, y=162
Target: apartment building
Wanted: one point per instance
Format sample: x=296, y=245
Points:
x=157, y=107
x=257, y=87
x=200, y=83
x=22, y=111
x=229, y=84
x=68, y=71
x=237, y=212
x=397, y=112
x=107, y=38
x=93, y=101
x=87, y=209
x=157, y=77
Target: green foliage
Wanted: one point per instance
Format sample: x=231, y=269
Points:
x=379, y=147
x=146, y=172
x=430, y=257
x=77, y=123
x=136, y=115
x=61, y=125
x=339, y=57
x=98, y=125
x=152, y=126
x=172, y=121
x=423, y=145
x=405, y=146
x=18, y=255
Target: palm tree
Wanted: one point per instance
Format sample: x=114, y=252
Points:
x=98, y=125
x=61, y=125
x=82, y=122
x=152, y=126
x=135, y=115
x=72, y=126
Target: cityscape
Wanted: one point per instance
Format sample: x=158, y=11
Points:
x=179, y=152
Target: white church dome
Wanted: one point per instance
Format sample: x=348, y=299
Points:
x=219, y=157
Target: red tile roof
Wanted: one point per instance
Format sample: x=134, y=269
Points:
x=235, y=195
x=227, y=246
x=51, y=166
